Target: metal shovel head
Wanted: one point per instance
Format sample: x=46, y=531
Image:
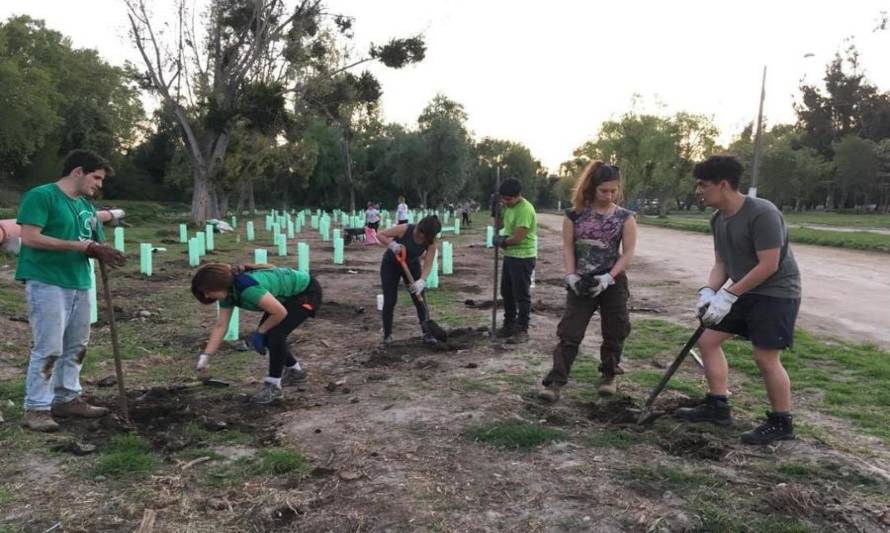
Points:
x=213, y=382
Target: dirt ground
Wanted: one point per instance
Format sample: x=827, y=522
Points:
x=385, y=431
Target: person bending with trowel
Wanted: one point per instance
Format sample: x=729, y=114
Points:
x=287, y=298
x=760, y=303
x=412, y=242
x=598, y=241
x=519, y=239
x=60, y=231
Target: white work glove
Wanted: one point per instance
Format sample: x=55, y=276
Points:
x=705, y=295
x=603, y=282
x=719, y=307
x=394, y=247
x=417, y=287
x=571, y=282
x=203, y=362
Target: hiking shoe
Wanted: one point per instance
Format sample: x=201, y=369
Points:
x=506, y=331
x=776, y=427
x=387, y=340
x=550, y=393
x=268, y=394
x=78, y=407
x=710, y=410
x=607, y=386
x=429, y=339
x=41, y=421
x=519, y=336
x=293, y=377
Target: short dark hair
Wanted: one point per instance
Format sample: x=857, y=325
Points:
x=510, y=187
x=719, y=167
x=86, y=159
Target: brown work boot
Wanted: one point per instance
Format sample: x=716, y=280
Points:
x=550, y=393
x=78, y=407
x=41, y=421
x=607, y=386
x=520, y=336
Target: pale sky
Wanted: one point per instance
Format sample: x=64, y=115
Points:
x=548, y=73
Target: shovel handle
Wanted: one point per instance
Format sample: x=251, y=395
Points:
x=402, y=259
x=115, y=345
x=675, y=365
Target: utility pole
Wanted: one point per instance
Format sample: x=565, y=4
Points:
x=758, y=140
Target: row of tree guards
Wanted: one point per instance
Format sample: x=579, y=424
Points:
x=284, y=226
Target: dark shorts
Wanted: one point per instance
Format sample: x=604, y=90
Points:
x=373, y=225
x=767, y=321
x=403, y=221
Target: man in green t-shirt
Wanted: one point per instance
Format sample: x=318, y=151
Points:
x=519, y=239
x=60, y=232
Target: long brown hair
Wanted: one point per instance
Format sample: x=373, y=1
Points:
x=594, y=174
x=217, y=277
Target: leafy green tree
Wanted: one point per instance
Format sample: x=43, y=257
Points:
x=443, y=131
x=856, y=169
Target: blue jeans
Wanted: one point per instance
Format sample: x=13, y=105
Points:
x=60, y=325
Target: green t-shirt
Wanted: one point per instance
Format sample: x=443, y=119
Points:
x=251, y=286
x=521, y=215
x=60, y=216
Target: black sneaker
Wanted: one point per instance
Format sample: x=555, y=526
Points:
x=775, y=428
x=429, y=339
x=293, y=377
x=387, y=340
x=506, y=331
x=519, y=336
x=710, y=410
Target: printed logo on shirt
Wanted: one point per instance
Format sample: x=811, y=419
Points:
x=87, y=224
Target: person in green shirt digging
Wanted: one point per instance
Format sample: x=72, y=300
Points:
x=287, y=297
x=519, y=239
x=60, y=232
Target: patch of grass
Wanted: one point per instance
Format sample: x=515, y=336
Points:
x=861, y=240
x=618, y=439
x=475, y=385
x=126, y=455
x=191, y=454
x=515, y=435
x=12, y=301
x=668, y=477
x=13, y=390
x=5, y=496
x=649, y=378
x=278, y=461
x=197, y=432
x=849, y=379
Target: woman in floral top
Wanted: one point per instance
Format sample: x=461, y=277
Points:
x=598, y=238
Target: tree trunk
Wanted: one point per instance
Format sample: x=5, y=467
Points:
x=347, y=157
x=251, y=200
x=200, y=196
x=224, y=204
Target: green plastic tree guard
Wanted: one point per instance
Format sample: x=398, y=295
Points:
x=145, y=258
x=314, y=222
x=260, y=256
x=456, y=226
x=489, y=236
x=183, y=233
x=208, y=231
x=282, y=246
x=94, y=305
x=290, y=228
x=234, y=222
x=194, y=253
x=202, y=245
x=119, y=239
x=251, y=234
x=447, y=259
x=432, y=281
x=234, y=328
x=303, y=257
x=338, y=250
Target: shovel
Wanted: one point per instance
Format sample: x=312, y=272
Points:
x=647, y=414
x=115, y=346
x=428, y=325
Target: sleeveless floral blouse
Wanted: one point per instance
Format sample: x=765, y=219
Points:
x=597, y=239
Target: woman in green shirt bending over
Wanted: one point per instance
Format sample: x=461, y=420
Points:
x=287, y=297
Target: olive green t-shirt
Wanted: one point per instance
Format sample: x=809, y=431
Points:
x=521, y=215
x=250, y=287
x=60, y=216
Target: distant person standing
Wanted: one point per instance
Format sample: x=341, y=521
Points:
x=519, y=239
x=465, y=213
x=372, y=217
x=402, y=211
x=760, y=303
x=60, y=231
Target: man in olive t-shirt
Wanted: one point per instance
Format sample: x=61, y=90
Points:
x=760, y=302
x=60, y=232
x=519, y=239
